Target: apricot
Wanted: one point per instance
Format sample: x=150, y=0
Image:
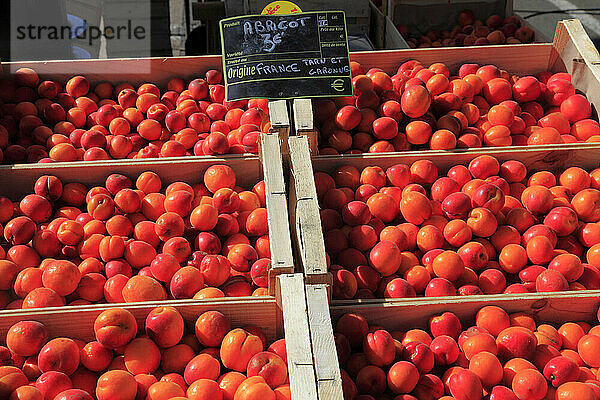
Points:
x=402, y=377
x=586, y=347
x=253, y=388
x=237, y=348
x=529, y=384
x=516, y=342
x=115, y=327
x=26, y=338
x=385, y=258
x=219, y=176
x=143, y=288
x=60, y=354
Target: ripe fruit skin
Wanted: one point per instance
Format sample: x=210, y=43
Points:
x=415, y=101
x=561, y=370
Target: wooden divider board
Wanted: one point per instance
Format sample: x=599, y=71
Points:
x=304, y=125
x=404, y=314
x=571, y=51
x=157, y=70
x=280, y=121
x=78, y=321
x=301, y=366
x=536, y=158
x=329, y=379
x=304, y=210
x=282, y=260
x=18, y=180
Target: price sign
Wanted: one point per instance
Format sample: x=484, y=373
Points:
x=286, y=56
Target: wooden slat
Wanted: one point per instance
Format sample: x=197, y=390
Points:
x=329, y=380
x=282, y=261
x=157, y=70
x=308, y=234
x=414, y=313
x=301, y=368
x=377, y=26
x=536, y=158
x=393, y=39
x=518, y=58
x=78, y=321
x=304, y=124
x=576, y=53
x=18, y=180
x=280, y=121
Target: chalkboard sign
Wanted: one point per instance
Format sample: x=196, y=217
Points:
x=286, y=56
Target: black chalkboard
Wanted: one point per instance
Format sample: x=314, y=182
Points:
x=286, y=56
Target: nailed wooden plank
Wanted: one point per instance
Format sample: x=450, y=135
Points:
x=308, y=233
x=301, y=368
x=282, y=260
x=78, y=321
x=304, y=123
x=556, y=307
x=329, y=380
x=18, y=180
x=280, y=121
x=377, y=26
x=311, y=242
x=518, y=58
x=536, y=158
x=575, y=53
x=393, y=39
x=116, y=70
x=301, y=168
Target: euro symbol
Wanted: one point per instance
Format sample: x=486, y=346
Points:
x=338, y=85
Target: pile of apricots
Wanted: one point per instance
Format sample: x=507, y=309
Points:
x=129, y=241
x=422, y=108
x=470, y=31
x=212, y=362
x=500, y=357
x=50, y=121
x=484, y=228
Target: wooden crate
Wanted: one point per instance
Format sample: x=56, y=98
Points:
x=18, y=180
x=555, y=308
x=421, y=16
x=572, y=51
x=405, y=314
x=383, y=32
x=304, y=206
x=157, y=70
x=284, y=316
